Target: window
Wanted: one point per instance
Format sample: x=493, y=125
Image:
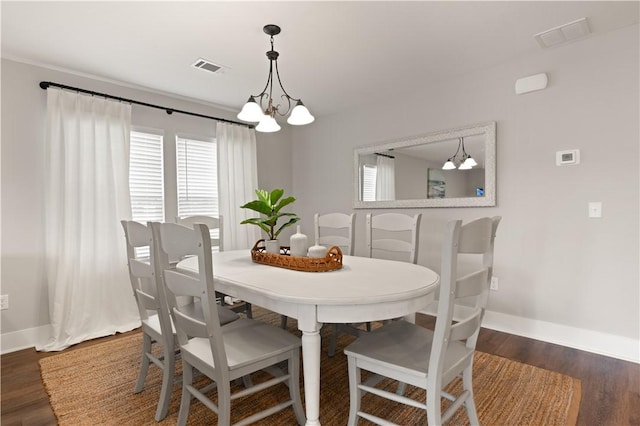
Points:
x=369, y=173
x=197, y=173
x=146, y=177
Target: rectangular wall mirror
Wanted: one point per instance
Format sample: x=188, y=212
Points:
x=409, y=172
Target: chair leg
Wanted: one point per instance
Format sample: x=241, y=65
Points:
x=294, y=386
x=402, y=387
x=333, y=342
x=224, y=404
x=168, y=372
x=283, y=322
x=469, y=404
x=247, y=382
x=355, y=394
x=185, y=402
x=434, y=413
x=248, y=310
x=144, y=363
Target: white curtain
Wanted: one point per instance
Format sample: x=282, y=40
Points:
x=87, y=145
x=238, y=180
x=385, y=179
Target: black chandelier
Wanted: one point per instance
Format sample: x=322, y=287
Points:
x=254, y=111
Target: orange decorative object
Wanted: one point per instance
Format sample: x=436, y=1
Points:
x=331, y=262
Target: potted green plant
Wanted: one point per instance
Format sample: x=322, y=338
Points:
x=270, y=205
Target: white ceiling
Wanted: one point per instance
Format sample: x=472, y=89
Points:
x=333, y=55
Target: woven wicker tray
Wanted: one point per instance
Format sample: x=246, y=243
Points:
x=331, y=262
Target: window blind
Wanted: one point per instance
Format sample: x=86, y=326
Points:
x=146, y=177
x=369, y=173
x=146, y=180
x=197, y=173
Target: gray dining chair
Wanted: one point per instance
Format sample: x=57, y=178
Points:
x=216, y=228
x=156, y=324
x=335, y=229
x=223, y=354
x=332, y=229
x=427, y=359
x=392, y=236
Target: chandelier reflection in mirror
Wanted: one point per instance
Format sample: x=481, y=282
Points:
x=253, y=110
x=464, y=162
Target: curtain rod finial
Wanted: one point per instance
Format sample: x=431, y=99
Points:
x=44, y=85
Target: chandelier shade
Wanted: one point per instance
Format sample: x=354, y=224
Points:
x=268, y=124
x=300, y=115
x=255, y=111
x=251, y=111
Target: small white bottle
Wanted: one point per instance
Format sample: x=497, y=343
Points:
x=298, y=244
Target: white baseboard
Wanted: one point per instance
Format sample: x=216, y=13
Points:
x=610, y=345
x=24, y=339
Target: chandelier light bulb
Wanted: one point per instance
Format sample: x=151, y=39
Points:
x=300, y=115
x=268, y=124
x=464, y=166
x=251, y=111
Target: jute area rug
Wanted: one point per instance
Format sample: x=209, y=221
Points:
x=94, y=386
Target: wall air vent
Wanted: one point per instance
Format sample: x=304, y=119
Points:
x=206, y=65
x=563, y=34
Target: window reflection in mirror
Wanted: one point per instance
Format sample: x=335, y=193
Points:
x=409, y=172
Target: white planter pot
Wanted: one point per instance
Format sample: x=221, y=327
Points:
x=272, y=246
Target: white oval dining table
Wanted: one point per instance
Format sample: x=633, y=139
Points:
x=364, y=289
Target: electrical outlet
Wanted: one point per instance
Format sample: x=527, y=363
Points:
x=494, y=283
x=4, y=302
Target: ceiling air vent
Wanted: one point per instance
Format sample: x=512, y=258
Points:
x=206, y=65
x=563, y=34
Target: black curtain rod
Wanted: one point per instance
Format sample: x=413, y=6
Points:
x=47, y=84
x=384, y=155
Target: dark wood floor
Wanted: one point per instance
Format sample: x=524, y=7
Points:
x=610, y=387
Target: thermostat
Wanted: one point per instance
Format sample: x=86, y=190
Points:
x=564, y=158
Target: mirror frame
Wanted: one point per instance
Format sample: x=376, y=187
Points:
x=489, y=198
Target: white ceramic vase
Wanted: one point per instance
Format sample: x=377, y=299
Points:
x=298, y=243
x=317, y=251
x=272, y=246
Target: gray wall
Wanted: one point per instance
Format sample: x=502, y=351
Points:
x=555, y=264
x=23, y=174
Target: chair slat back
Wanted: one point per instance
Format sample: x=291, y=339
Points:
x=147, y=301
x=189, y=325
x=387, y=244
x=328, y=226
x=464, y=329
x=215, y=225
x=140, y=268
x=472, y=284
x=384, y=228
x=138, y=235
x=475, y=237
x=183, y=284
